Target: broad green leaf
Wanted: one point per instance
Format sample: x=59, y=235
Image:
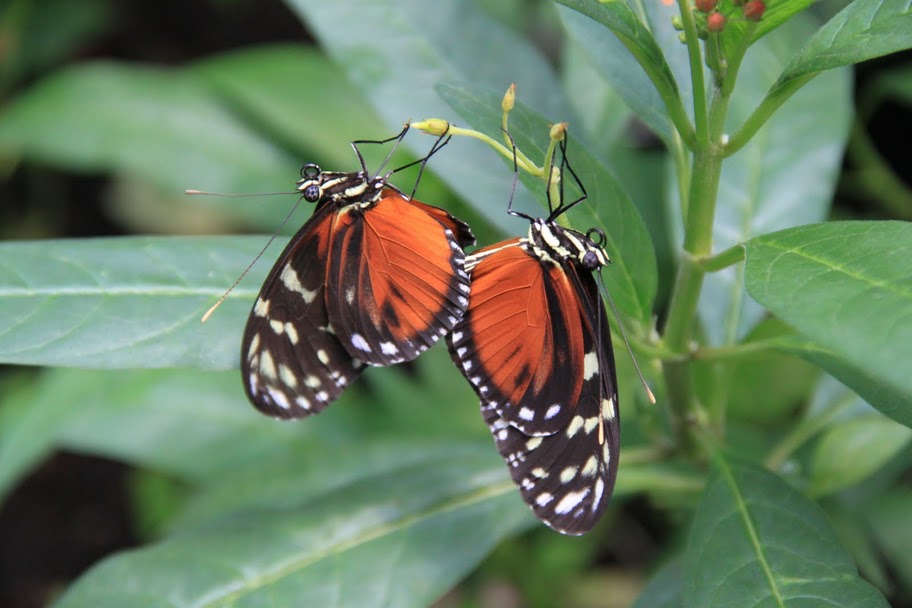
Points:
x=847, y=286
x=888, y=518
x=777, y=12
x=631, y=278
x=129, y=415
x=889, y=401
x=863, y=30
x=850, y=451
x=163, y=125
x=640, y=74
x=755, y=541
x=619, y=69
x=419, y=45
x=43, y=35
x=26, y=432
x=665, y=587
x=274, y=86
x=404, y=537
x=126, y=302
x=855, y=535
x=784, y=177
x=783, y=379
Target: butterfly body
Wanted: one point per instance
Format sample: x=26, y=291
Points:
x=535, y=345
x=374, y=277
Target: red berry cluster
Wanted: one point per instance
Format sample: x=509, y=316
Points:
x=752, y=10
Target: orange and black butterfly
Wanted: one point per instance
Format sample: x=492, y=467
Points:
x=374, y=277
x=535, y=345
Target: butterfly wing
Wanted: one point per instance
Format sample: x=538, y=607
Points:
x=396, y=282
x=292, y=364
x=520, y=343
x=521, y=306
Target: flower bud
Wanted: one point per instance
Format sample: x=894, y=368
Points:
x=754, y=9
x=509, y=99
x=432, y=126
x=707, y=6
x=558, y=131
x=716, y=22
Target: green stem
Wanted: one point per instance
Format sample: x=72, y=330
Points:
x=696, y=71
x=729, y=257
x=773, y=100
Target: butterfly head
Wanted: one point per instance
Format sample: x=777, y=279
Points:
x=318, y=186
x=554, y=243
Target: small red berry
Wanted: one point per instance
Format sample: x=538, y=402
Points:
x=715, y=22
x=707, y=6
x=754, y=9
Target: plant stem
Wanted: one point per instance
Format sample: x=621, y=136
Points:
x=696, y=71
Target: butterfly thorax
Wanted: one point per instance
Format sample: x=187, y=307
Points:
x=317, y=186
x=554, y=244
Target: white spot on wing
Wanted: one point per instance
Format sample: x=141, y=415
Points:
x=590, y=365
x=323, y=357
x=261, y=309
x=526, y=414
x=267, y=366
x=599, y=490
x=291, y=280
x=608, y=409
x=279, y=398
x=570, y=501
x=568, y=474
x=533, y=443
x=575, y=425
x=292, y=333
x=287, y=376
x=553, y=411
x=360, y=343
x=591, y=467
x=388, y=348
x=543, y=499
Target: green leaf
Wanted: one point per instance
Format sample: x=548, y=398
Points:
x=26, y=432
x=616, y=66
x=274, y=87
x=845, y=285
x=160, y=124
x=756, y=541
x=125, y=302
x=625, y=70
x=850, y=451
x=404, y=537
x=888, y=518
x=889, y=401
x=863, y=30
x=777, y=12
x=784, y=177
x=419, y=46
x=665, y=587
x=632, y=277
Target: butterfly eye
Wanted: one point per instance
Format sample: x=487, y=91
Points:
x=597, y=237
x=310, y=171
x=311, y=193
x=590, y=261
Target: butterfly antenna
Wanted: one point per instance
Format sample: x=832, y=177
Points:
x=193, y=192
x=249, y=266
x=636, y=365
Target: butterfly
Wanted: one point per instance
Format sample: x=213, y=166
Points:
x=535, y=345
x=374, y=277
